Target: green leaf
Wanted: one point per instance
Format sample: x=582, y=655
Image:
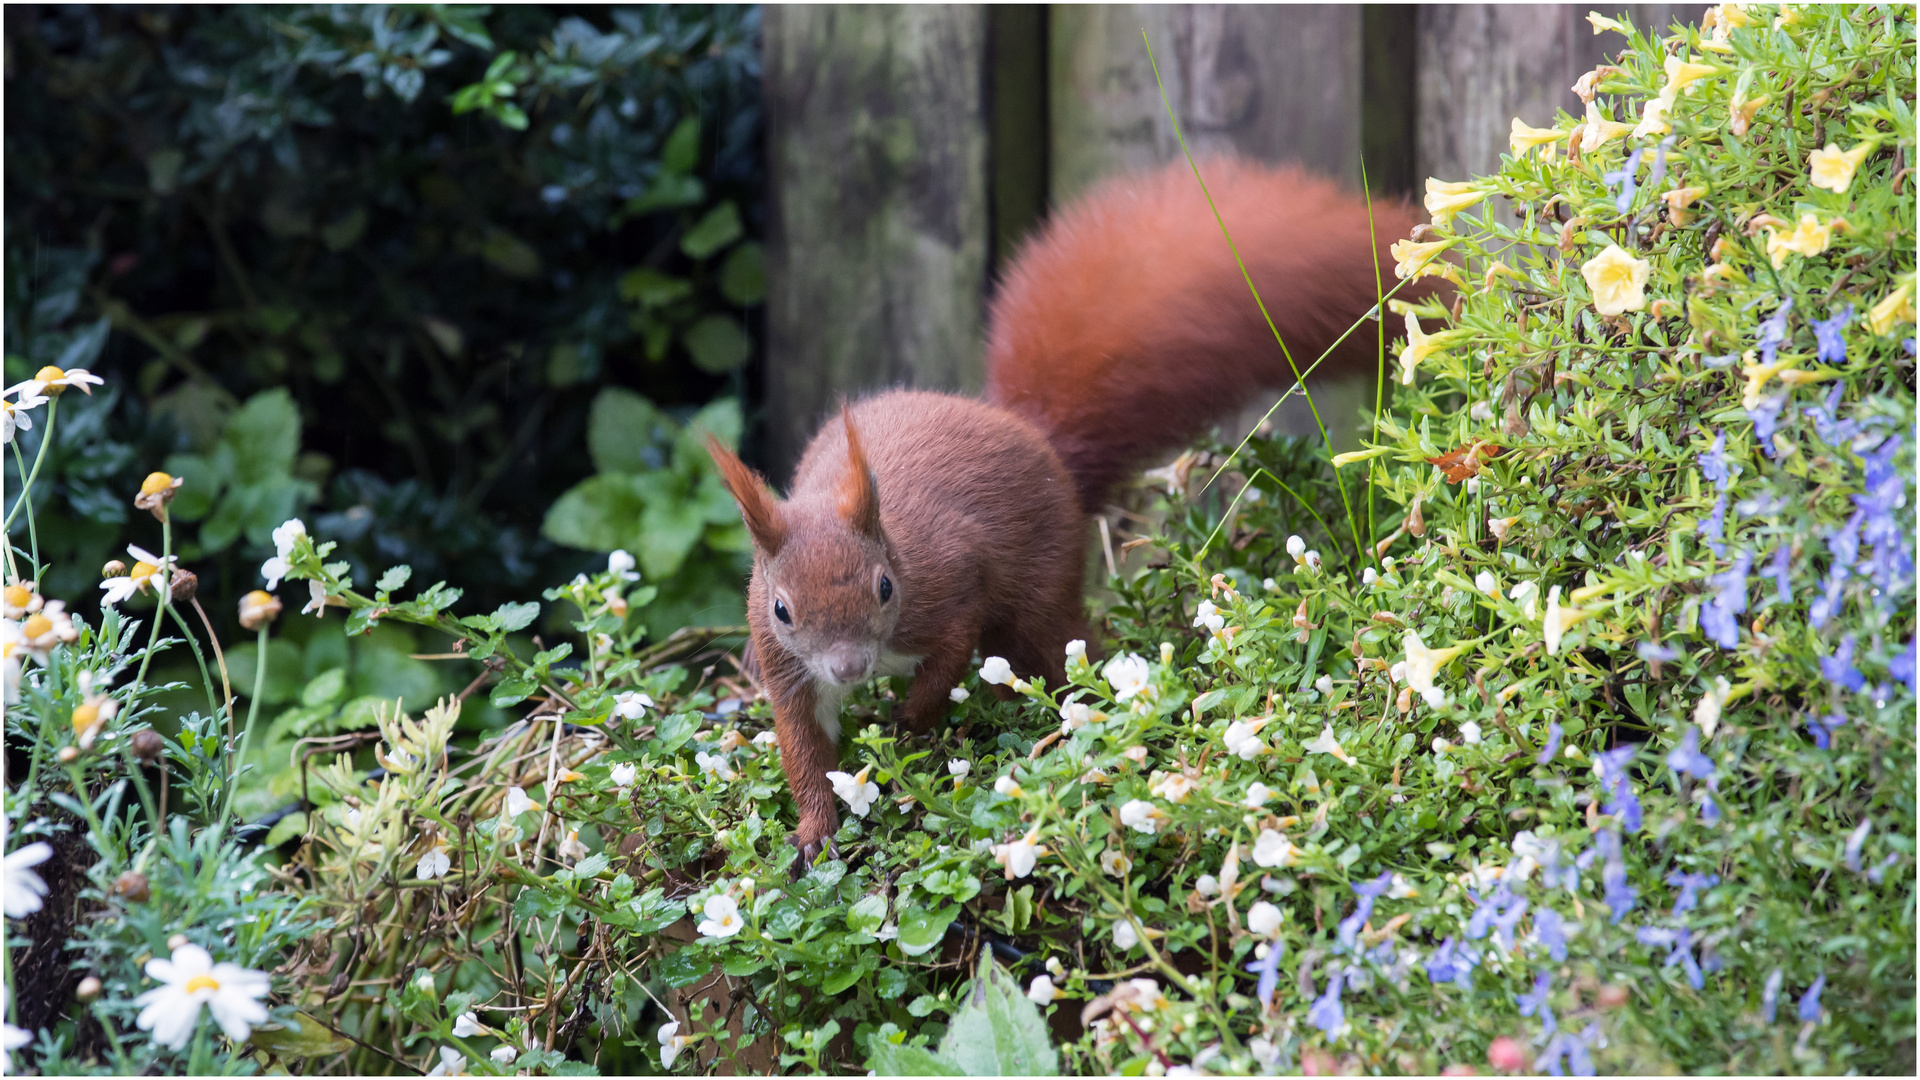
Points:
x=265, y=436
x=287, y=828
x=517, y=616
x=681, y=150
x=922, y=928
x=669, y=191
x=717, y=344
x=511, y=692
x=650, y=288
x=591, y=866
x=719, y=228
x=682, y=966
x=998, y=1032
x=721, y=419
x=626, y=433
x=743, y=277
x=394, y=578
x=866, y=916
x=891, y=1060
x=327, y=688
x=508, y=253
x=599, y=513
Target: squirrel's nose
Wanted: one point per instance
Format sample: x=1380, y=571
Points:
x=848, y=662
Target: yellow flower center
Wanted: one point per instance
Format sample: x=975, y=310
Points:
x=155, y=483
x=202, y=982
x=47, y=375
x=84, y=718
x=142, y=571
x=19, y=596
x=35, y=626
x=6, y=650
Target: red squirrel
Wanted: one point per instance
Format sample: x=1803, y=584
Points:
x=922, y=526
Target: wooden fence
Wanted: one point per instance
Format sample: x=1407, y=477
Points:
x=912, y=147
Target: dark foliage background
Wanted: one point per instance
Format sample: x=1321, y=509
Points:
x=376, y=266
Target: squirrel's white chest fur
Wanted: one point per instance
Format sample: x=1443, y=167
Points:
x=828, y=697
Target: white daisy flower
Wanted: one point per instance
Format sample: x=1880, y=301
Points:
x=149, y=571
x=191, y=979
x=23, y=887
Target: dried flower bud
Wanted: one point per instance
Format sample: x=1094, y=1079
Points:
x=89, y=988
x=156, y=492
x=68, y=755
x=183, y=585
x=176, y=941
x=1612, y=996
x=147, y=745
x=114, y=568
x=258, y=608
x=133, y=886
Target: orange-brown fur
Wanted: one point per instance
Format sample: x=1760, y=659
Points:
x=1120, y=331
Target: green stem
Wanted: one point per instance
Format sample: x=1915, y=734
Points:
x=246, y=734
x=160, y=595
x=206, y=676
x=26, y=489
x=33, y=530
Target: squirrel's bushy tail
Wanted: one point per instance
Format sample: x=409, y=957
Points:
x=1125, y=326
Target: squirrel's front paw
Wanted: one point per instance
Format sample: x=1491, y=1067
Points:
x=812, y=838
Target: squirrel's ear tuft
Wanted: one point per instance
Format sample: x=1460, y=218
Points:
x=758, y=508
x=859, y=498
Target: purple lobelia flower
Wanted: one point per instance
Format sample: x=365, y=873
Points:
x=1619, y=895
x=1553, y=745
x=1505, y=922
x=1831, y=340
x=1714, y=528
x=1823, y=729
x=1453, y=962
x=1327, y=1014
x=1624, y=174
x=1573, y=1049
x=1773, y=332
x=1770, y=994
x=1363, y=910
x=1765, y=418
x=1653, y=653
x=1713, y=462
x=1690, y=886
x=1810, y=1001
x=1901, y=667
x=1878, y=872
x=1535, y=1001
x=1612, y=767
x=1709, y=810
x=1269, y=971
x=1780, y=569
x=1659, y=170
x=1687, y=758
x=1839, y=670
x=1550, y=928
x=1717, y=616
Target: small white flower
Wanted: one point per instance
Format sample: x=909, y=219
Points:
x=518, y=802
x=1525, y=594
x=572, y=850
x=191, y=979
x=1297, y=548
x=1243, y=739
x=958, y=694
x=1440, y=745
x=767, y=740
x=1173, y=787
x=1076, y=650
x=21, y=885
x=149, y=571
x=469, y=1025
x=1009, y=787
x=1401, y=889
x=1470, y=733
x=13, y=416
x=503, y=1054
x=719, y=768
x=1707, y=712
x=722, y=916
x=1263, y=919
x=857, y=791
x=1056, y=968
x=1209, y=617
x=959, y=767
x=1257, y=795
x=1487, y=583
x=1369, y=577
x=995, y=669
x=1423, y=664
x=1324, y=684
x=620, y=565
x=452, y=1063
x=1114, y=863
x=1075, y=715
x=1311, y=561
x=1142, y=816
x=1041, y=991
x=623, y=774
x=1559, y=620
x=1208, y=885
x=1398, y=672
x=1127, y=675
x=434, y=864
x=12, y=1038
x=1273, y=849
x=1018, y=856
x=1124, y=935
x=888, y=931
x=632, y=705
x=316, y=600
x=1325, y=743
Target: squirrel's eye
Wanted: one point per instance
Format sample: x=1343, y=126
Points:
x=780, y=612
x=886, y=588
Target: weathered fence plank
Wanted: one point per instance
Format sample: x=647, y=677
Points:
x=1481, y=65
x=878, y=231
x=1272, y=83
